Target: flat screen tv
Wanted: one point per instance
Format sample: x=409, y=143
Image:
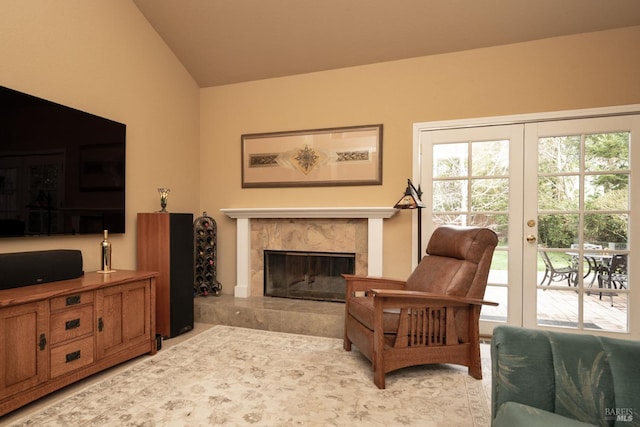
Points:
x=62, y=171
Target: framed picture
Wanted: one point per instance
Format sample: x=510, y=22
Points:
x=318, y=157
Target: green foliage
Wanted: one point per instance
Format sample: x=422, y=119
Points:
x=605, y=228
x=557, y=231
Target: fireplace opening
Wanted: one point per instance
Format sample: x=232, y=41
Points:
x=307, y=275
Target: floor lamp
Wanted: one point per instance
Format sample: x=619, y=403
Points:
x=412, y=200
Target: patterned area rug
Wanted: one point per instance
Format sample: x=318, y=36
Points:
x=234, y=376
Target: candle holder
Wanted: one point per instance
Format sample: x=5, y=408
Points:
x=164, y=194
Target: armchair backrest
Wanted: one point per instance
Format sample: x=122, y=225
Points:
x=457, y=262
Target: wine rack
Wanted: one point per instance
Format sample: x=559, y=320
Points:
x=206, y=264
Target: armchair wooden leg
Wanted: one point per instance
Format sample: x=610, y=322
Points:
x=346, y=343
x=378, y=375
x=378, y=348
x=475, y=369
x=475, y=363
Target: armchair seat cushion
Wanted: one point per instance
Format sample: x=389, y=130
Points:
x=362, y=310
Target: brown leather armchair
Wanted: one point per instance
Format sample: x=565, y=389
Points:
x=433, y=316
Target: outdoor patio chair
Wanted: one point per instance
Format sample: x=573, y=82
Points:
x=615, y=276
x=557, y=274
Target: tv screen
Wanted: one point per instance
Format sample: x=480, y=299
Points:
x=62, y=171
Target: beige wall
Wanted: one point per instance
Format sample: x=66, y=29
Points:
x=584, y=71
x=103, y=57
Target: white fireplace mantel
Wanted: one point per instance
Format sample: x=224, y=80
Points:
x=374, y=215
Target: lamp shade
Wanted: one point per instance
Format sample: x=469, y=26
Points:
x=411, y=198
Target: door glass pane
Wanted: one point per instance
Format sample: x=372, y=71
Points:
x=559, y=154
x=489, y=194
x=607, y=192
x=606, y=152
x=490, y=158
x=497, y=288
x=498, y=222
x=558, y=308
x=608, y=231
x=606, y=311
x=558, y=230
x=559, y=192
x=449, y=195
x=496, y=313
x=450, y=160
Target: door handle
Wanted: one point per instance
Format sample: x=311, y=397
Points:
x=531, y=238
x=43, y=342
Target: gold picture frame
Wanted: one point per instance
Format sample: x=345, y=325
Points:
x=318, y=157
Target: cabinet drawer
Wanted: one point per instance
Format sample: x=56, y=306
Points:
x=69, y=357
x=69, y=324
x=71, y=300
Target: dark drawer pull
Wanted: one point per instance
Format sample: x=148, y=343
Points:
x=73, y=356
x=71, y=324
x=73, y=300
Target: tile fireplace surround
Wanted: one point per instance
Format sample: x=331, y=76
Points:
x=343, y=229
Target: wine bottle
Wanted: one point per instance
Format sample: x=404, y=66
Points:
x=105, y=253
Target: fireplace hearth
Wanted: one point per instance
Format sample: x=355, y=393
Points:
x=307, y=275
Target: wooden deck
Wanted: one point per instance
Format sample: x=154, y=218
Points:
x=558, y=306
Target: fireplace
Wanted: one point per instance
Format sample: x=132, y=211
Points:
x=307, y=275
x=328, y=229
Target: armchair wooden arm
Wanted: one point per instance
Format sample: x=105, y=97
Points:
x=366, y=283
x=399, y=297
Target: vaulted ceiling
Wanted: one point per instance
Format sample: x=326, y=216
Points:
x=230, y=41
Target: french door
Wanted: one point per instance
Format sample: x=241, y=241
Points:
x=582, y=173
x=557, y=191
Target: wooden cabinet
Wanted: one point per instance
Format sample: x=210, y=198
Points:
x=24, y=356
x=123, y=317
x=165, y=244
x=54, y=334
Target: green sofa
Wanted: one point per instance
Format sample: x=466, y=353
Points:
x=542, y=378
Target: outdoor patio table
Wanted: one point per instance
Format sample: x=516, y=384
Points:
x=596, y=262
